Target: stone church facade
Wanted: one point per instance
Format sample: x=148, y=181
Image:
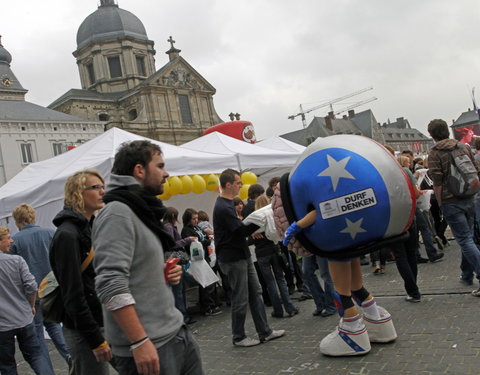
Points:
x=121, y=87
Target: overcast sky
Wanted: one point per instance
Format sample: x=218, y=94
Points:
x=265, y=57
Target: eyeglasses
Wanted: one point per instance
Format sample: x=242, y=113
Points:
x=95, y=187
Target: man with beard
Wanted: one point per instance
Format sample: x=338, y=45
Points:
x=143, y=326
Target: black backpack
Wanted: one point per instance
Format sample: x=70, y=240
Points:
x=462, y=177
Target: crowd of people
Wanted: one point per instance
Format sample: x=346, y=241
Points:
x=123, y=308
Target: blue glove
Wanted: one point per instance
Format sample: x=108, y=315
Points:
x=291, y=231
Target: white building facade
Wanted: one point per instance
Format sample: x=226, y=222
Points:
x=29, y=132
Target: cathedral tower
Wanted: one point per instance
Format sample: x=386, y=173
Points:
x=122, y=88
x=113, y=51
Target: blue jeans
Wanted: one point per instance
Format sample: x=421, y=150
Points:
x=84, y=361
x=246, y=291
x=460, y=217
x=179, y=295
x=30, y=348
x=406, y=261
x=54, y=331
x=179, y=356
x=269, y=264
x=323, y=298
x=423, y=227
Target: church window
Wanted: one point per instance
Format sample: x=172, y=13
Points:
x=58, y=149
x=26, y=149
x=132, y=114
x=103, y=117
x=140, y=65
x=91, y=73
x=185, y=109
x=115, y=67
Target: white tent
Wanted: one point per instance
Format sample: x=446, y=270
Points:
x=249, y=156
x=281, y=144
x=41, y=184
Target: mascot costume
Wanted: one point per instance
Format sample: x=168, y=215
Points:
x=346, y=196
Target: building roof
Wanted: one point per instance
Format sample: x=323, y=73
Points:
x=392, y=134
x=178, y=61
x=4, y=54
x=401, y=131
x=469, y=117
x=20, y=110
x=8, y=81
x=92, y=95
x=365, y=121
x=107, y=22
x=317, y=128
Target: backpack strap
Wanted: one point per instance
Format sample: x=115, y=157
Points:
x=87, y=260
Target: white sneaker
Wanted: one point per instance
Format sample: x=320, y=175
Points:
x=343, y=342
x=382, y=329
x=246, y=342
x=274, y=335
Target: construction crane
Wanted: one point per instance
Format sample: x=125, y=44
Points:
x=330, y=103
x=354, y=105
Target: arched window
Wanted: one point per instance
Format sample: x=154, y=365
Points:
x=132, y=114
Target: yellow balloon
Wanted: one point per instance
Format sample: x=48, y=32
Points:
x=199, y=184
x=187, y=184
x=175, y=185
x=243, y=193
x=164, y=196
x=249, y=178
x=212, y=182
x=166, y=187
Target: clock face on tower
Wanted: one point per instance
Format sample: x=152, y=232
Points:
x=5, y=81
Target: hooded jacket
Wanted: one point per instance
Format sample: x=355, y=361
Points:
x=439, y=162
x=69, y=248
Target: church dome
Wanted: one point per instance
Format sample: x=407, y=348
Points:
x=4, y=54
x=109, y=21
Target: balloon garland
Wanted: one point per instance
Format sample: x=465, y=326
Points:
x=199, y=183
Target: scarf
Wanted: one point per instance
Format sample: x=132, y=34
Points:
x=148, y=208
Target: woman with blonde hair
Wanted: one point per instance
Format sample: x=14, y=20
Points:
x=71, y=250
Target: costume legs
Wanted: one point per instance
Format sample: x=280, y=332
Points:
x=351, y=335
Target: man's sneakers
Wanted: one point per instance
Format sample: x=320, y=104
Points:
x=213, y=311
x=476, y=292
x=246, y=342
x=412, y=299
x=437, y=257
x=344, y=342
x=274, y=335
x=380, y=330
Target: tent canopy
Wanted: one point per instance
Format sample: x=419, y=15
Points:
x=281, y=144
x=41, y=184
x=249, y=156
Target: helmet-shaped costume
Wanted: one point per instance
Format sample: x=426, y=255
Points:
x=362, y=197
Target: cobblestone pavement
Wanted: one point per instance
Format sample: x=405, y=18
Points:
x=440, y=335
